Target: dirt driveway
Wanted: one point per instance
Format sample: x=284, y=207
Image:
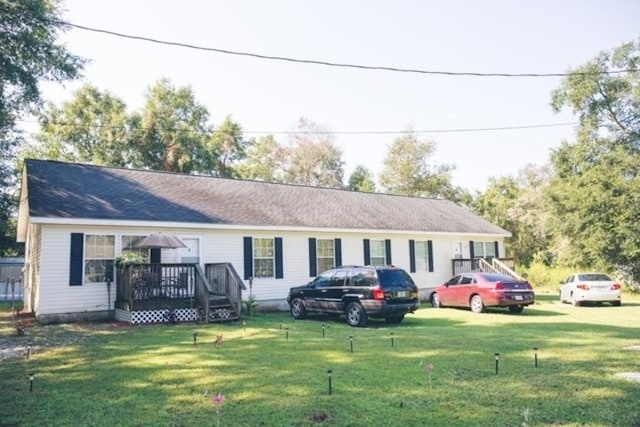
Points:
x=37, y=337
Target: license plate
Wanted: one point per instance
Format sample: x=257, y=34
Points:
x=518, y=298
x=402, y=294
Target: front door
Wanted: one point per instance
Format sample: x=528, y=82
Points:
x=457, y=250
x=190, y=254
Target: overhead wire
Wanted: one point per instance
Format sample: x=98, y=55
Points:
x=321, y=132
x=343, y=65
x=336, y=64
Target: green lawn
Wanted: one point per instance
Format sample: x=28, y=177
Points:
x=273, y=371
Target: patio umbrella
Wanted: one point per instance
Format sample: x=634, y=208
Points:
x=153, y=241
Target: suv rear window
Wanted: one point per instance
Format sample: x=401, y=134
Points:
x=394, y=278
x=363, y=277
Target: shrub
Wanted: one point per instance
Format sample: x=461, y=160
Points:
x=250, y=305
x=543, y=277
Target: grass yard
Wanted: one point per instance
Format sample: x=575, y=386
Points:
x=273, y=371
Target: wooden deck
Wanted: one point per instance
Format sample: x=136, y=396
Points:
x=147, y=293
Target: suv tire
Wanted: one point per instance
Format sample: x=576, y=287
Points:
x=298, y=311
x=356, y=316
x=394, y=319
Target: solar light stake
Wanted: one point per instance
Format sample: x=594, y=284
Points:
x=329, y=371
x=28, y=351
x=31, y=378
x=391, y=339
x=497, y=361
x=195, y=338
x=323, y=330
x=535, y=356
x=351, y=342
x=287, y=329
x=244, y=326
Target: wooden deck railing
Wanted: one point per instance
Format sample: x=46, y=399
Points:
x=502, y=266
x=204, y=290
x=159, y=285
x=475, y=265
x=226, y=281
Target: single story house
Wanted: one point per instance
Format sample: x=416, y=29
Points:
x=78, y=220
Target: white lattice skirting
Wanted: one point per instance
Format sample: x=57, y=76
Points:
x=158, y=316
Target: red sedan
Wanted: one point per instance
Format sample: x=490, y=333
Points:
x=481, y=290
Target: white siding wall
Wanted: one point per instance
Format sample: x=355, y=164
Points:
x=31, y=277
x=56, y=296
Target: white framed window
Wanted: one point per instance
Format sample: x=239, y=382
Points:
x=127, y=248
x=325, y=254
x=484, y=249
x=377, y=252
x=263, y=257
x=99, y=257
x=422, y=255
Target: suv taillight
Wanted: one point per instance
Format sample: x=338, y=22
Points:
x=582, y=286
x=378, y=294
x=615, y=287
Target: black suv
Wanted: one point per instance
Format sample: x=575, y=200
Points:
x=358, y=292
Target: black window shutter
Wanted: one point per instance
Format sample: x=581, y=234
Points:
x=279, y=269
x=313, y=267
x=155, y=255
x=337, y=245
x=387, y=251
x=497, y=246
x=367, y=252
x=471, y=254
x=248, y=258
x=430, y=254
x=76, y=259
x=412, y=256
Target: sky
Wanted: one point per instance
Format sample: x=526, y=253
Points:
x=265, y=96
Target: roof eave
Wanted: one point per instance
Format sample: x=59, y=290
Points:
x=237, y=227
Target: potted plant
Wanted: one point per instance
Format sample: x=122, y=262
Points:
x=128, y=258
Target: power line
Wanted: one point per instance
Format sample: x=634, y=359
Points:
x=334, y=64
x=356, y=132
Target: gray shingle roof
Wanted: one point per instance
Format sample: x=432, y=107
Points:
x=70, y=190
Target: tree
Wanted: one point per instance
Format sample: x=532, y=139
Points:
x=361, y=179
x=312, y=159
x=595, y=196
x=29, y=54
x=595, y=191
x=172, y=131
x=92, y=127
x=607, y=104
x=406, y=170
x=518, y=205
x=226, y=148
x=264, y=160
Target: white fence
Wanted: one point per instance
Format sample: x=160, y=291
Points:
x=11, y=288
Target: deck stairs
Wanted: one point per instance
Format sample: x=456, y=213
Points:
x=220, y=310
x=495, y=266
